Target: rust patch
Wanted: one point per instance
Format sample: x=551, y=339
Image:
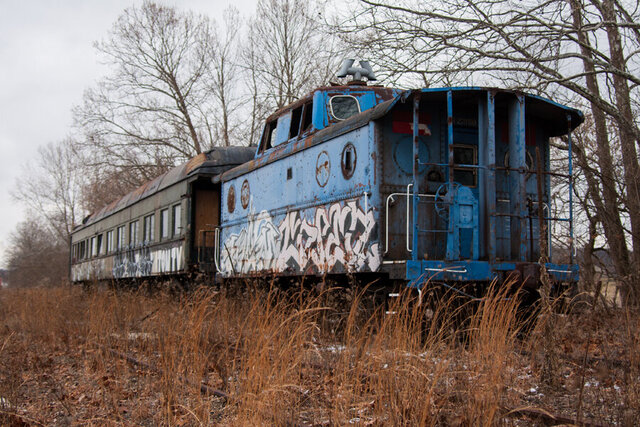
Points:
x=194, y=163
x=244, y=194
x=231, y=199
x=375, y=167
x=323, y=169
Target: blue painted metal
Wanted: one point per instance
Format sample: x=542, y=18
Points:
x=416, y=168
x=517, y=189
x=490, y=184
x=563, y=272
x=463, y=215
x=422, y=271
x=389, y=159
x=452, y=253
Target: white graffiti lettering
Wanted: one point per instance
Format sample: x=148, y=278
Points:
x=340, y=238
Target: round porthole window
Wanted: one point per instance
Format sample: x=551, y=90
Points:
x=348, y=162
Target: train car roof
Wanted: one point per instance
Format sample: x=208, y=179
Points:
x=554, y=114
x=212, y=162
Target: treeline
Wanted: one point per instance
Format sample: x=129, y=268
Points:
x=180, y=83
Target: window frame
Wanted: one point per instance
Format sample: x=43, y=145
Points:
x=343, y=96
x=148, y=233
x=176, y=229
x=164, y=224
x=474, y=170
x=121, y=237
x=134, y=227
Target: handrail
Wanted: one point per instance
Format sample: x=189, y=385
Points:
x=408, y=188
x=448, y=269
x=386, y=231
x=216, y=244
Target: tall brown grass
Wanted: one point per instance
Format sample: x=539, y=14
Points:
x=282, y=358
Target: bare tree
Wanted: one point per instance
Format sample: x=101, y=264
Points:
x=156, y=105
x=36, y=256
x=585, y=51
x=51, y=187
x=224, y=76
x=287, y=51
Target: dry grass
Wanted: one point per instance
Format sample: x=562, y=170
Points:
x=287, y=359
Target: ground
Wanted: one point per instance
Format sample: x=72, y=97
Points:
x=72, y=357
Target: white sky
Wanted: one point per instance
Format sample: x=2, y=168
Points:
x=47, y=60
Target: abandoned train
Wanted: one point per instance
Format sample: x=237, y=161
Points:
x=450, y=185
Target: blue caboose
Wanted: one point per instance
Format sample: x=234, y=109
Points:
x=450, y=184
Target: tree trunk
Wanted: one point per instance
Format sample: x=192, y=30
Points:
x=627, y=143
x=608, y=211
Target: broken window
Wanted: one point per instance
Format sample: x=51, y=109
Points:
x=296, y=115
x=269, y=135
x=307, y=116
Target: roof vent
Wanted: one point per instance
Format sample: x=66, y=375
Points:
x=358, y=73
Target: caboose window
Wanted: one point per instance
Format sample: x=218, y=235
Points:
x=296, y=115
x=465, y=155
x=307, y=116
x=344, y=106
x=269, y=135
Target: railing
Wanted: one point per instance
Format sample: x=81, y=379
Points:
x=208, y=254
x=409, y=196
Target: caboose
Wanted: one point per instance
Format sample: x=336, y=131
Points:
x=446, y=184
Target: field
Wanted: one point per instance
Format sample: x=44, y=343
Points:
x=263, y=357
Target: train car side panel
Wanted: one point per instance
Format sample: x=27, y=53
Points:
x=316, y=214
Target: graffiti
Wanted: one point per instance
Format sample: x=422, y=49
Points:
x=254, y=248
x=132, y=263
x=90, y=270
x=167, y=260
x=338, y=238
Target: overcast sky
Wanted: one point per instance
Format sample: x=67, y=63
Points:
x=47, y=60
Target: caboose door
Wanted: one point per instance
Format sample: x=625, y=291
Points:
x=205, y=219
